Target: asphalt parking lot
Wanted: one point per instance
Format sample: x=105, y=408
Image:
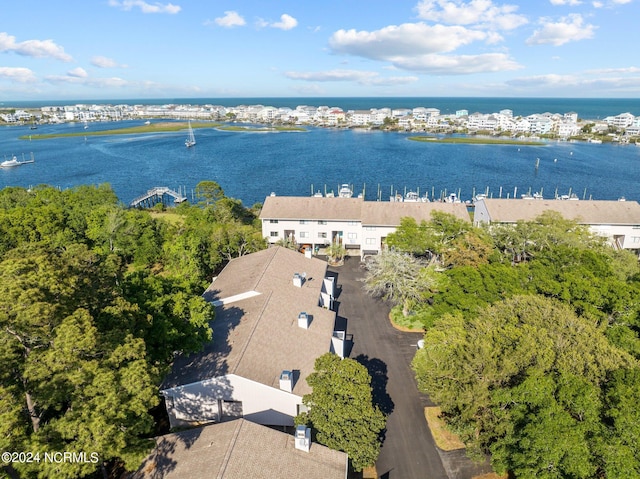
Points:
x=408, y=450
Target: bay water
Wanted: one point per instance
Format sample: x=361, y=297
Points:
x=250, y=166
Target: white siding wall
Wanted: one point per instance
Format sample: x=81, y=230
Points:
x=198, y=402
x=314, y=233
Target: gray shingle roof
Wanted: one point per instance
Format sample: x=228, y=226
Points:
x=238, y=450
x=386, y=213
x=373, y=213
x=311, y=208
x=586, y=212
x=258, y=337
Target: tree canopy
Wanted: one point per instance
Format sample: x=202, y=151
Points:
x=341, y=409
x=95, y=302
x=533, y=333
x=526, y=370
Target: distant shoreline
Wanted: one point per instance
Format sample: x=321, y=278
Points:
x=587, y=108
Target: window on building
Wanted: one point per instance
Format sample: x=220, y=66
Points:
x=353, y=223
x=274, y=234
x=304, y=234
x=322, y=235
x=352, y=236
x=303, y=222
x=370, y=228
x=322, y=222
x=370, y=241
x=273, y=221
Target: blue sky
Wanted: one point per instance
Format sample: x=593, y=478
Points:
x=114, y=49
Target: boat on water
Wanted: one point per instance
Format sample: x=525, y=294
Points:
x=191, y=139
x=10, y=163
x=452, y=198
x=13, y=162
x=414, y=197
x=345, y=191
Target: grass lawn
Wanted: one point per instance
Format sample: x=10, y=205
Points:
x=168, y=216
x=472, y=140
x=445, y=439
x=409, y=324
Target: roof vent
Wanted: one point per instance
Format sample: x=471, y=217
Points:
x=303, y=320
x=303, y=438
x=286, y=381
x=298, y=279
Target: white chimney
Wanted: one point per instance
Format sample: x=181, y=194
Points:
x=303, y=438
x=303, y=320
x=286, y=381
x=297, y=280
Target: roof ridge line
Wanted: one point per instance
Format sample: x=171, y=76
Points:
x=253, y=330
x=229, y=451
x=266, y=267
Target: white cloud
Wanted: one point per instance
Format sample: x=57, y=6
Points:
x=86, y=81
x=610, y=3
x=475, y=12
x=420, y=47
x=568, y=29
x=409, y=39
x=33, y=48
x=458, y=64
x=565, y=2
x=358, y=76
x=104, y=62
x=78, y=72
x=145, y=7
x=230, y=19
x=17, y=74
x=606, y=71
x=571, y=83
x=287, y=22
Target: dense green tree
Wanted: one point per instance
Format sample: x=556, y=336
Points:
x=85, y=384
x=522, y=371
x=341, y=409
x=95, y=302
x=400, y=278
x=209, y=192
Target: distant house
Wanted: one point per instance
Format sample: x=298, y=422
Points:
x=240, y=450
x=273, y=319
x=618, y=221
x=356, y=224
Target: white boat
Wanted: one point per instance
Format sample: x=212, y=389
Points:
x=411, y=197
x=10, y=163
x=345, y=191
x=452, y=198
x=191, y=139
x=14, y=161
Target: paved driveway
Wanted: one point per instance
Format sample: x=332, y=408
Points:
x=408, y=451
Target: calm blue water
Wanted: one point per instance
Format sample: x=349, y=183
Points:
x=251, y=165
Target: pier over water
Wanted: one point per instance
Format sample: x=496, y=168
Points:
x=159, y=194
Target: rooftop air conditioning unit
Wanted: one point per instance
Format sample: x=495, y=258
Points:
x=303, y=438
